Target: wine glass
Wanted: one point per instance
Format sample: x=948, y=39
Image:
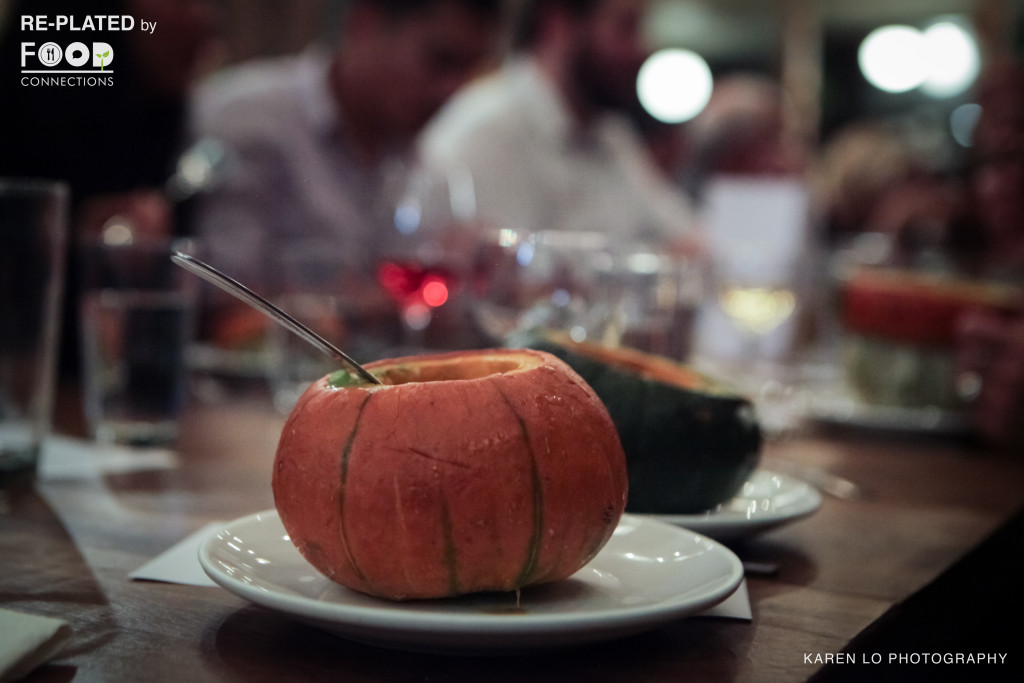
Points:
x=756, y=304
x=759, y=299
x=761, y=269
x=758, y=236
x=757, y=296
x=424, y=254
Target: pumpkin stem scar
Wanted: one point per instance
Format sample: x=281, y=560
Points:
x=536, y=536
x=345, y=453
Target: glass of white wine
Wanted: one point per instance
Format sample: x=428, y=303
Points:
x=758, y=302
x=757, y=297
x=758, y=309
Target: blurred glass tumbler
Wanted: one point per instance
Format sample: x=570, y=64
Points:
x=33, y=233
x=619, y=293
x=654, y=298
x=138, y=316
x=546, y=279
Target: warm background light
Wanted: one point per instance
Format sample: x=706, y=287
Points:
x=894, y=58
x=942, y=60
x=953, y=58
x=674, y=85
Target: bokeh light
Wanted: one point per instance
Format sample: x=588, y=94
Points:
x=953, y=58
x=943, y=60
x=674, y=85
x=435, y=292
x=962, y=122
x=894, y=58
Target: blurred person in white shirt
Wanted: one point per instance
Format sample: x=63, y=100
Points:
x=546, y=139
x=311, y=141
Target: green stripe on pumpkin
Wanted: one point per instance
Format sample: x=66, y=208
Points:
x=533, y=551
x=345, y=453
x=451, y=553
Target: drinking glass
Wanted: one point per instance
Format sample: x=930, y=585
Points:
x=757, y=298
x=33, y=232
x=654, y=296
x=138, y=317
x=758, y=237
x=423, y=257
x=584, y=284
x=548, y=279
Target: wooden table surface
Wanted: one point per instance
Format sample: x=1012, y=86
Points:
x=67, y=547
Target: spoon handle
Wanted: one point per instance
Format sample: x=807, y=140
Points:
x=232, y=286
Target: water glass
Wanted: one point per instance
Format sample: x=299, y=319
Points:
x=138, y=317
x=33, y=233
x=547, y=279
x=651, y=297
x=583, y=284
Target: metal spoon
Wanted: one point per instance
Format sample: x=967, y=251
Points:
x=232, y=286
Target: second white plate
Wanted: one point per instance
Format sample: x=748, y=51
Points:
x=648, y=574
x=767, y=500
x=844, y=411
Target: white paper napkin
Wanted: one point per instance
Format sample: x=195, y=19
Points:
x=180, y=563
x=28, y=641
x=68, y=458
x=736, y=606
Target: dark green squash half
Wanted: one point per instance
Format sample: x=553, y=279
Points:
x=690, y=441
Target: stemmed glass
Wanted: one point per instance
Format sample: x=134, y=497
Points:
x=757, y=230
x=757, y=300
x=424, y=253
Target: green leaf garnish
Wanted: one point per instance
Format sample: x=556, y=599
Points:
x=341, y=379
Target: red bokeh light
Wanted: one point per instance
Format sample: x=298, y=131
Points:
x=435, y=293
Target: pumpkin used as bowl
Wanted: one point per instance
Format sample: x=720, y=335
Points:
x=463, y=472
x=690, y=441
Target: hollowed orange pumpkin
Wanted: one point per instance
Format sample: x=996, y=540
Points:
x=463, y=472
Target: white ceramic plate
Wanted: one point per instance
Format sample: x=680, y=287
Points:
x=648, y=574
x=767, y=500
x=844, y=411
